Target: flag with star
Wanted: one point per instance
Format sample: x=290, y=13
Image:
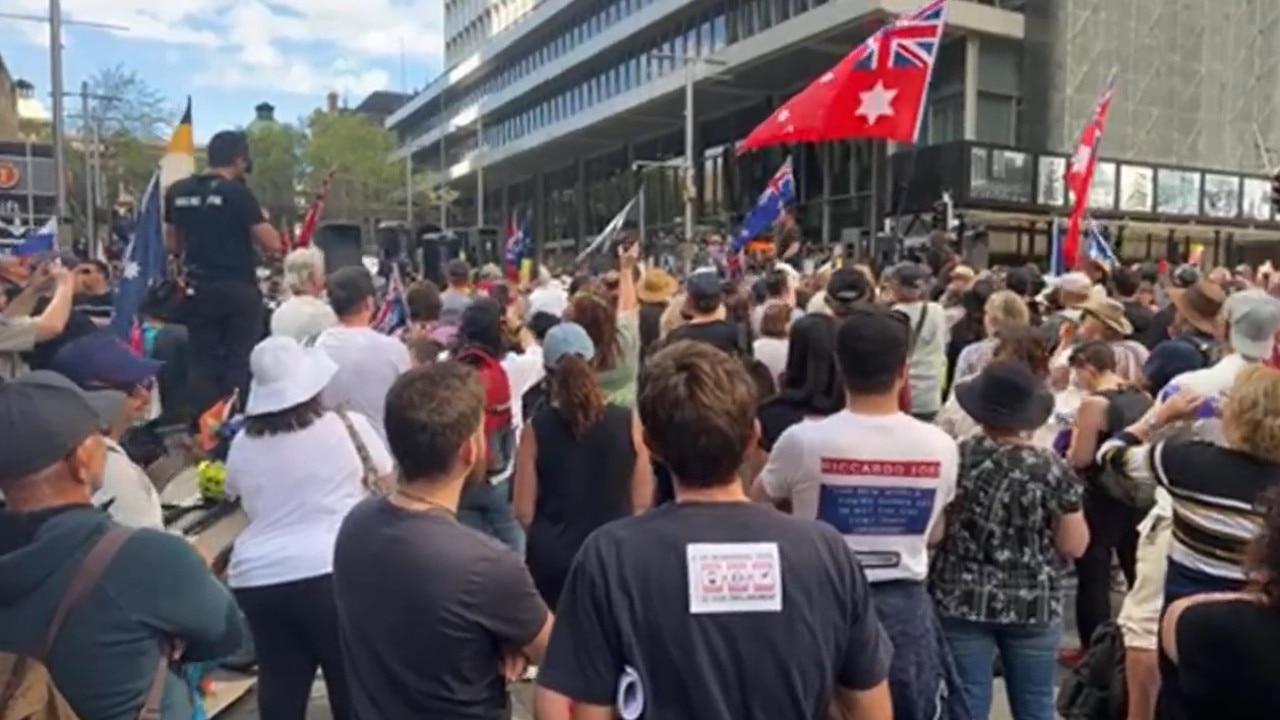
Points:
x=769, y=207
x=1080, y=171
x=145, y=261
x=877, y=91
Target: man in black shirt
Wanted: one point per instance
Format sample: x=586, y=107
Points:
x=214, y=222
x=1126, y=283
x=93, y=291
x=681, y=613
x=704, y=303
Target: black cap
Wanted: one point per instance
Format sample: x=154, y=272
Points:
x=848, y=286
x=43, y=418
x=910, y=275
x=704, y=285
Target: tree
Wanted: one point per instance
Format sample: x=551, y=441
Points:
x=277, y=150
x=133, y=121
x=366, y=187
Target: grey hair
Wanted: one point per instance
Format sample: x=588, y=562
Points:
x=302, y=267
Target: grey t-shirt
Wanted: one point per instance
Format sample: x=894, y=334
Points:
x=425, y=606
x=452, y=303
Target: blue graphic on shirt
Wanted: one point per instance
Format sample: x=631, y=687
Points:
x=872, y=510
x=1209, y=408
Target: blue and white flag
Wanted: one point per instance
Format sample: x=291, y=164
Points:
x=39, y=241
x=145, y=261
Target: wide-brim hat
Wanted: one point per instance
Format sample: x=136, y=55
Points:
x=285, y=375
x=1199, y=304
x=657, y=286
x=1006, y=395
x=1108, y=312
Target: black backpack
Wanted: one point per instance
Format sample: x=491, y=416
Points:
x=1095, y=688
x=1139, y=495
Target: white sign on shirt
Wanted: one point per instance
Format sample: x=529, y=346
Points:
x=734, y=578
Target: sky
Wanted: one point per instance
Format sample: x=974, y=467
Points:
x=230, y=55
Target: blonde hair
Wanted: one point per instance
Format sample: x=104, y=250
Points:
x=1251, y=414
x=1005, y=309
x=302, y=267
x=672, y=317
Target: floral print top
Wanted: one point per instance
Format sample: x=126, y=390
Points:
x=998, y=562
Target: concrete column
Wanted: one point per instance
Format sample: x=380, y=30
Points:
x=541, y=212
x=972, y=50
x=504, y=206
x=699, y=173
x=580, y=202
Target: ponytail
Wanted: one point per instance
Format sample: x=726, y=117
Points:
x=576, y=394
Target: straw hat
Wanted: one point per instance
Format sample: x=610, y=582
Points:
x=1199, y=304
x=657, y=286
x=1108, y=312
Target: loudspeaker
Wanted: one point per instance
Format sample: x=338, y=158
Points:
x=341, y=244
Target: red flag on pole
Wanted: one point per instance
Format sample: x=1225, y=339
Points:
x=312, y=218
x=877, y=91
x=1080, y=173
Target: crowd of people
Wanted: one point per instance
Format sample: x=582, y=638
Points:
x=839, y=493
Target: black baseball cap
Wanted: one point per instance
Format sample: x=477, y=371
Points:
x=847, y=286
x=44, y=417
x=704, y=285
x=910, y=275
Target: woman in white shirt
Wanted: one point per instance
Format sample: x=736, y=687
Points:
x=297, y=470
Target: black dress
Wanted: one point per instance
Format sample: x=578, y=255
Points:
x=583, y=483
x=1228, y=658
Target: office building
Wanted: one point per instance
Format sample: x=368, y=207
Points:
x=565, y=107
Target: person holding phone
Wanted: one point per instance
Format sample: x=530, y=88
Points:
x=21, y=329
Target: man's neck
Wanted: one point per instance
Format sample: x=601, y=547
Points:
x=227, y=173
x=362, y=320
x=439, y=493
x=34, y=495
x=886, y=404
x=730, y=492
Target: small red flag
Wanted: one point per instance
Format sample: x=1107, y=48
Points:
x=877, y=91
x=312, y=218
x=1080, y=174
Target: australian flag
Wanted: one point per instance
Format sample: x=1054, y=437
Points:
x=392, y=314
x=777, y=195
x=519, y=242
x=144, y=259
x=1097, y=247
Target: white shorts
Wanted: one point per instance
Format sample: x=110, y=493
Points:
x=1139, y=618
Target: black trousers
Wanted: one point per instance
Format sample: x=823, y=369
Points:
x=295, y=631
x=1113, y=527
x=224, y=320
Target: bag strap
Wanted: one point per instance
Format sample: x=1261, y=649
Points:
x=87, y=575
x=370, y=472
x=919, y=328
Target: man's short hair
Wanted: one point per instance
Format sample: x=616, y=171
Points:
x=698, y=406
x=776, y=283
x=1126, y=282
x=431, y=412
x=458, y=271
x=348, y=289
x=872, y=346
x=226, y=147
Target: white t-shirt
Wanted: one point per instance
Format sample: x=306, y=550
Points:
x=524, y=370
x=127, y=492
x=368, y=363
x=773, y=353
x=882, y=481
x=927, y=364
x=303, y=318
x=296, y=488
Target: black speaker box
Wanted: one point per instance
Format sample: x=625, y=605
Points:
x=341, y=244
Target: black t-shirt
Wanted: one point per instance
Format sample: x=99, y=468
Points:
x=724, y=611
x=1158, y=328
x=425, y=606
x=718, y=333
x=97, y=307
x=78, y=325
x=775, y=416
x=1228, y=652
x=214, y=217
x=1140, y=317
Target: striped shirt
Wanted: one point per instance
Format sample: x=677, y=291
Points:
x=1214, y=492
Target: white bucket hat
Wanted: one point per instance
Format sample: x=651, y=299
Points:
x=285, y=374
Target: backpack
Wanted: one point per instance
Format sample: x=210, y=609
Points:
x=1210, y=350
x=1137, y=495
x=1095, y=688
x=29, y=691
x=499, y=427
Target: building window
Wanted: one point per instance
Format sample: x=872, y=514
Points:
x=997, y=119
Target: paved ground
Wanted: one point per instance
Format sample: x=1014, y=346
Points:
x=247, y=709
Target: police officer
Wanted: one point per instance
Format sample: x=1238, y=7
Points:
x=216, y=226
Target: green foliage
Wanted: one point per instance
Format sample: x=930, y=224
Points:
x=366, y=186
x=277, y=167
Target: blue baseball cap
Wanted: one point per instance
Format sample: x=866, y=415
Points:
x=100, y=359
x=567, y=338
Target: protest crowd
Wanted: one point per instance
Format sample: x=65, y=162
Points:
x=776, y=484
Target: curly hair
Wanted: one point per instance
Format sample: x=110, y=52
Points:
x=1024, y=344
x=1262, y=562
x=1251, y=413
x=577, y=396
x=598, y=317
